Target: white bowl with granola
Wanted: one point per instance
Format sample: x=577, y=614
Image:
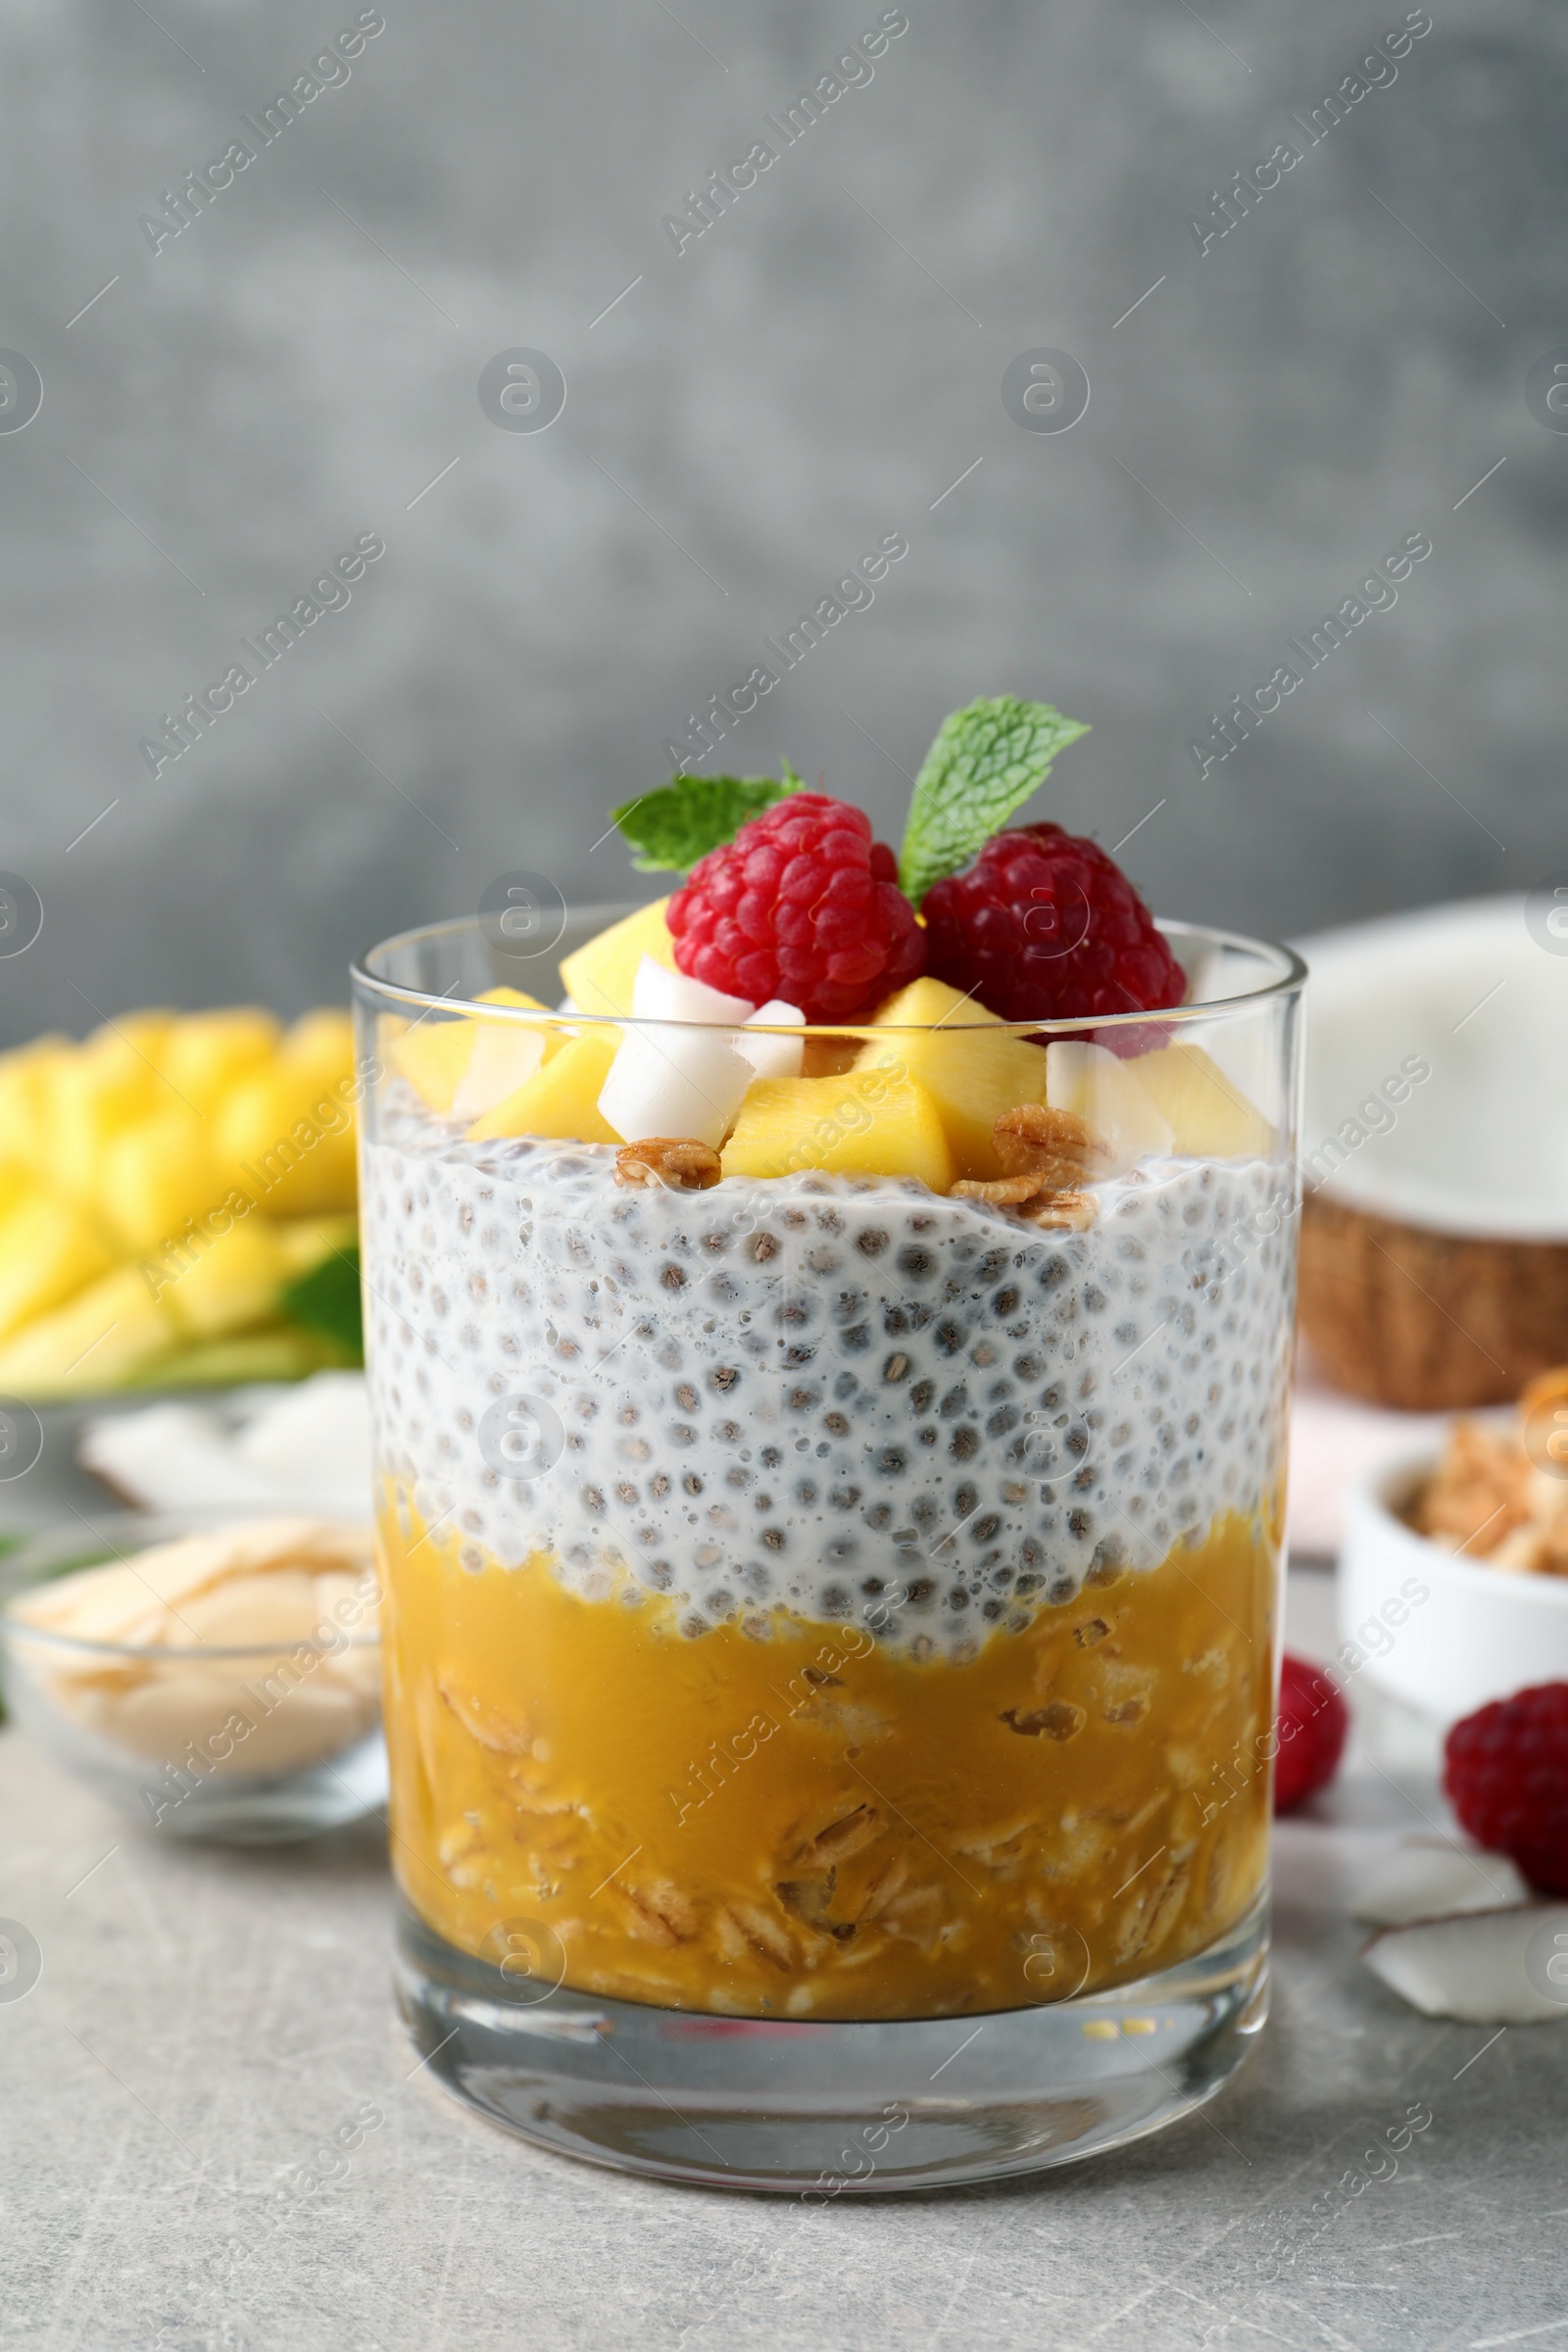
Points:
x=1454, y=1578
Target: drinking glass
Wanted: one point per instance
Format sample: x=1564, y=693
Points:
x=831, y=1619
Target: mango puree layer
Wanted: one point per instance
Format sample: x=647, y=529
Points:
x=796, y=1820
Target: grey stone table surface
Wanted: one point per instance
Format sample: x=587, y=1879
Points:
x=206, y=2018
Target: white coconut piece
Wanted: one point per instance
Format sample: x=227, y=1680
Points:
x=569, y=1004
x=1484, y=1968
x=774, y=1057
x=660, y=995
x=504, y=1056
x=1098, y=1087
x=675, y=1082
x=1428, y=1880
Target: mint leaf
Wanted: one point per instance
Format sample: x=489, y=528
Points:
x=672, y=828
x=327, y=1301
x=984, y=763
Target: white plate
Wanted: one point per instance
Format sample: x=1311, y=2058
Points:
x=1443, y=1634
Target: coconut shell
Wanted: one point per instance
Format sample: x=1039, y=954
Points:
x=1427, y=1321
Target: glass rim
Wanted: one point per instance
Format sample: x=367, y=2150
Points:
x=1287, y=979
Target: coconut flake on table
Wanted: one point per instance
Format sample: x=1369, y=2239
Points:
x=307, y=1445
x=1429, y=1879
x=1481, y=1968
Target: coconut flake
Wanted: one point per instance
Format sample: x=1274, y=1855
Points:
x=660, y=995
x=1427, y=1879
x=1484, y=1968
x=674, y=1082
x=774, y=1057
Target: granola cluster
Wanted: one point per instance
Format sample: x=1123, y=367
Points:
x=1500, y=1495
x=1046, y=1156
x=678, y=1161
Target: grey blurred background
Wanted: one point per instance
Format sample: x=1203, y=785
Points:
x=300, y=365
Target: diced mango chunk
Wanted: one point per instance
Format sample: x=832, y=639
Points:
x=1098, y=1087
x=1210, y=1115
x=971, y=1065
x=432, y=1055
x=561, y=1098
x=599, y=977
x=47, y=1250
x=868, y=1122
x=107, y=1333
x=437, y=1054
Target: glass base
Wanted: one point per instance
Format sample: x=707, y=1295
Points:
x=750, y=2103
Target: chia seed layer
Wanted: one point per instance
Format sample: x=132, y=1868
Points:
x=844, y=1398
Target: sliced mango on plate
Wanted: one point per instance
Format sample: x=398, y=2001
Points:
x=104, y=1336
x=204, y=1052
x=157, y=1174
x=48, y=1249
x=230, y=1283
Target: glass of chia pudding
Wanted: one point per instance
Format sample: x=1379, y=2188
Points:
x=829, y=1334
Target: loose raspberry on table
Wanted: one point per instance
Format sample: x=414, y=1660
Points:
x=1044, y=926
x=1311, y=1727
x=801, y=905
x=1506, y=1776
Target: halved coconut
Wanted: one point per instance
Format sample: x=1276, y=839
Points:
x=1435, y=1151
x=1484, y=1968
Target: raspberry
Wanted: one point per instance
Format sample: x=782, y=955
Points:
x=1312, y=1724
x=1044, y=926
x=1506, y=1776
x=802, y=905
